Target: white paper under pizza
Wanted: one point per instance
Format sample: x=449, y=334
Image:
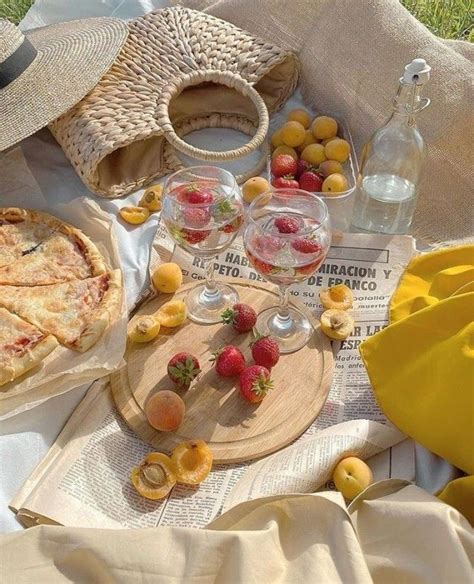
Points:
x=65, y=369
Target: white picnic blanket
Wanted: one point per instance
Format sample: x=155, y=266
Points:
x=26, y=438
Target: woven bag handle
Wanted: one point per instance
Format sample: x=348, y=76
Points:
x=233, y=122
x=223, y=78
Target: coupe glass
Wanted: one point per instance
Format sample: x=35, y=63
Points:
x=287, y=237
x=203, y=212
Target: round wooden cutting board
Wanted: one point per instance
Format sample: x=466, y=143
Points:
x=235, y=430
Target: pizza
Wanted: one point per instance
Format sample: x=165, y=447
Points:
x=55, y=288
x=22, y=346
x=76, y=312
x=38, y=249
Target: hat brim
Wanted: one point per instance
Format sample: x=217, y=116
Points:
x=72, y=57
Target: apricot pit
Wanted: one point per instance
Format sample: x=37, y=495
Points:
x=154, y=478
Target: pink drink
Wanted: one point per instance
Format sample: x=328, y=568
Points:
x=285, y=258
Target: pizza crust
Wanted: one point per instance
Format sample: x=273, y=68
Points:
x=31, y=358
x=103, y=315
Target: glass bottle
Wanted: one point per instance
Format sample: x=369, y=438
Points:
x=391, y=161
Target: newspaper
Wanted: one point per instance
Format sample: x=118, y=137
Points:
x=84, y=480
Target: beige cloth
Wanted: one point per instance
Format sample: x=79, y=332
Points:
x=398, y=533
x=352, y=54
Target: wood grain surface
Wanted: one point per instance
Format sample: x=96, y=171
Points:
x=235, y=429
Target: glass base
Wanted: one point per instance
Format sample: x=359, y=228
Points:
x=292, y=332
x=206, y=307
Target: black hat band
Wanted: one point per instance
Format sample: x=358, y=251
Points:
x=17, y=63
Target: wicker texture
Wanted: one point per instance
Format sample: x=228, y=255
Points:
x=122, y=135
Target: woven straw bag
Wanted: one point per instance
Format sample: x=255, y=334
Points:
x=180, y=70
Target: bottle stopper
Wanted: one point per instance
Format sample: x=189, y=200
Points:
x=417, y=72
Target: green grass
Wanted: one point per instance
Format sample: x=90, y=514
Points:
x=14, y=10
x=450, y=19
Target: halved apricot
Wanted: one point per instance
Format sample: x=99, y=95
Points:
x=339, y=297
x=192, y=462
x=151, y=198
x=143, y=329
x=134, y=215
x=172, y=313
x=154, y=478
x=337, y=324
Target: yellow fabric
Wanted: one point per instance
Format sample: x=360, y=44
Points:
x=460, y=494
x=422, y=366
x=432, y=277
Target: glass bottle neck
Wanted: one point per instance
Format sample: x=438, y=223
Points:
x=407, y=103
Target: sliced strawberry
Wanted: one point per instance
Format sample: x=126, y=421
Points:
x=288, y=224
x=306, y=245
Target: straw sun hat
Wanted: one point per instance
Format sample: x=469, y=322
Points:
x=44, y=72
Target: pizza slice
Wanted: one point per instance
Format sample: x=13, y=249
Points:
x=76, y=312
x=22, y=346
x=58, y=258
x=38, y=249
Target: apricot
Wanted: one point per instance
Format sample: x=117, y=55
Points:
x=154, y=478
x=336, y=324
x=165, y=411
x=352, y=476
x=143, y=329
x=134, y=215
x=335, y=184
x=293, y=134
x=172, y=313
x=324, y=142
x=167, y=277
x=339, y=297
x=301, y=116
x=309, y=139
x=192, y=462
x=330, y=167
x=254, y=187
x=285, y=150
x=151, y=198
x=277, y=139
x=338, y=149
x=324, y=127
x=314, y=154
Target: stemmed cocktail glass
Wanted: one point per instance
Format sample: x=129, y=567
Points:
x=203, y=212
x=287, y=237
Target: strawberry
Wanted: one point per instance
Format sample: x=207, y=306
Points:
x=311, y=182
x=267, y=244
x=200, y=197
x=265, y=351
x=192, y=236
x=229, y=361
x=285, y=182
x=183, y=368
x=254, y=383
x=259, y=265
x=301, y=166
x=233, y=226
x=306, y=245
x=283, y=164
x=241, y=316
x=288, y=224
x=194, y=193
x=196, y=217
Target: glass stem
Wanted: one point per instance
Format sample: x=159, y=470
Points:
x=210, y=289
x=283, y=312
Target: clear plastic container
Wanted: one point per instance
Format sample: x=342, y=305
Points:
x=340, y=206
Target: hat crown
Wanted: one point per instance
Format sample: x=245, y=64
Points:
x=11, y=38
